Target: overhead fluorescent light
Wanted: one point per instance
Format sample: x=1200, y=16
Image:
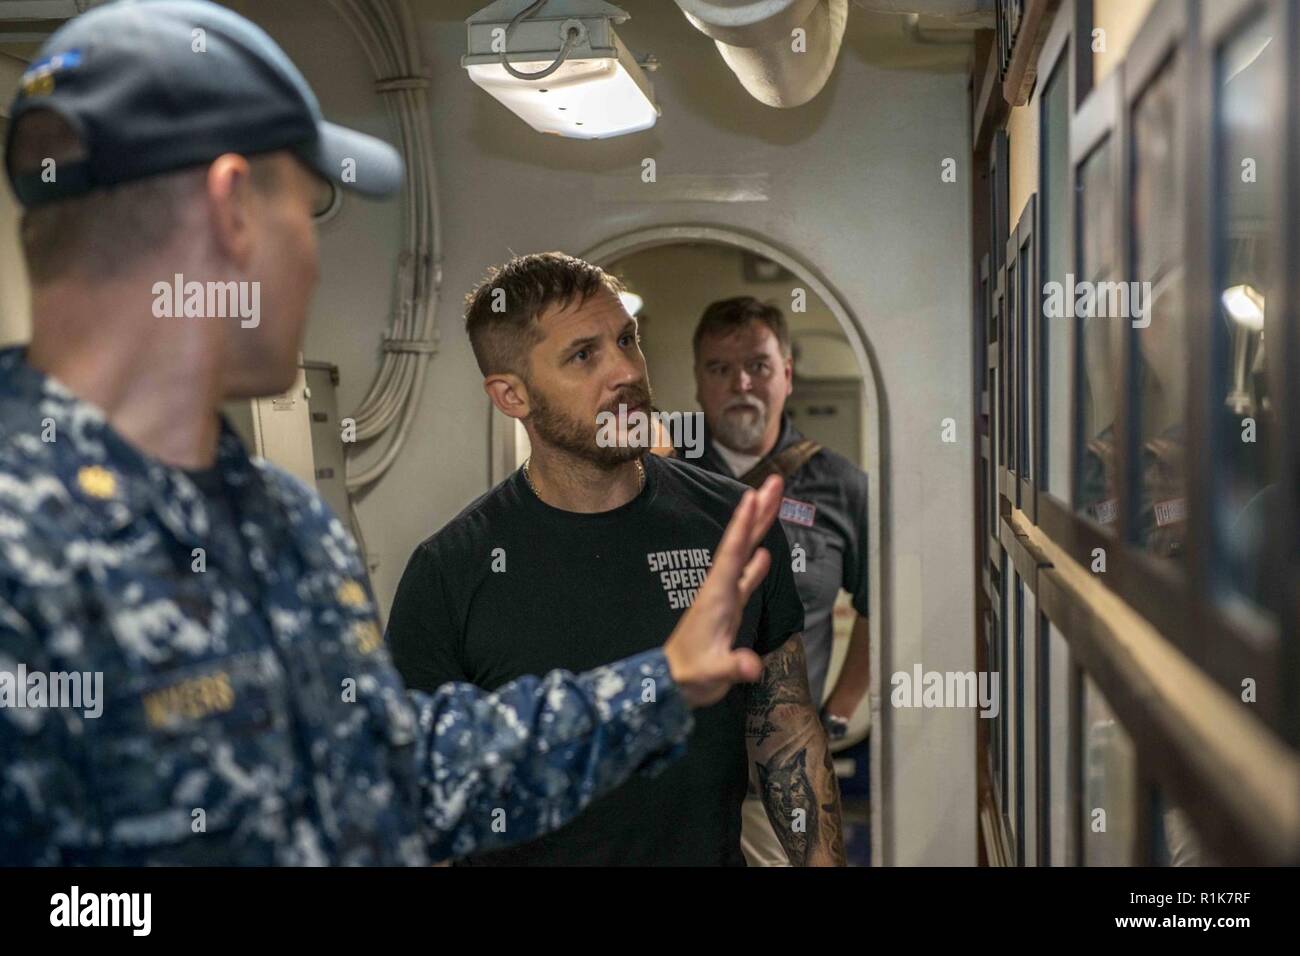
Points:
x=559, y=66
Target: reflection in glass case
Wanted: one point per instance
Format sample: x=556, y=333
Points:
x=1102, y=340
x=1109, y=784
x=1176, y=842
x=1246, y=122
x=1162, y=367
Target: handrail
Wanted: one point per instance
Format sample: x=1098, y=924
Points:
x=1246, y=779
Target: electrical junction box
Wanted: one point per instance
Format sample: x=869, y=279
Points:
x=276, y=428
x=330, y=465
x=299, y=431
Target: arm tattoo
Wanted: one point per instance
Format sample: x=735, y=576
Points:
x=794, y=770
x=786, y=791
x=834, y=824
x=784, y=681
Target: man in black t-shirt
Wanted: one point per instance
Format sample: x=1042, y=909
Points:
x=592, y=551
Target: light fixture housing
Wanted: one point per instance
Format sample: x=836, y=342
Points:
x=598, y=91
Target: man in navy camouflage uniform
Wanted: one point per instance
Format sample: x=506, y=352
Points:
x=250, y=713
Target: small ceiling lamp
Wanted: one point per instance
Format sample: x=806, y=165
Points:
x=559, y=66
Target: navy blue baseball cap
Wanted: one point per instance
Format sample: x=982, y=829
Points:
x=152, y=86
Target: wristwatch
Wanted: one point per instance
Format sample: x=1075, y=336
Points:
x=837, y=728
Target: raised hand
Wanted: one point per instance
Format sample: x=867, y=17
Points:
x=699, y=650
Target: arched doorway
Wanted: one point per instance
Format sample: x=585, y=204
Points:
x=509, y=447
x=873, y=449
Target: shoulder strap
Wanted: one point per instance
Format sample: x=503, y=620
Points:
x=784, y=463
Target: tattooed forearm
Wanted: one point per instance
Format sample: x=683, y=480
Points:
x=784, y=682
x=834, y=824
x=791, y=804
x=794, y=771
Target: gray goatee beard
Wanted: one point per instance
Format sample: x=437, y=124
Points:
x=741, y=433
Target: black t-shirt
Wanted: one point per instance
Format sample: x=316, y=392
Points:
x=513, y=586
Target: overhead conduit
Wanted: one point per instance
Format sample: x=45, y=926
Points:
x=388, y=35
x=757, y=37
x=757, y=41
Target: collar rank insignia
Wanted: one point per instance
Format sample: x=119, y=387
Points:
x=97, y=482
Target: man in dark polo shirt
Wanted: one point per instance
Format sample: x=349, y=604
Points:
x=743, y=376
x=593, y=550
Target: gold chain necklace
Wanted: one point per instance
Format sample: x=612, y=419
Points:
x=640, y=475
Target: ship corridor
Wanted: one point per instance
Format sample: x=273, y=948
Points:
x=1033, y=259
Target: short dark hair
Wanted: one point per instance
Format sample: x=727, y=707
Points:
x=727, y=315
x=107, y=231
x=501, y=313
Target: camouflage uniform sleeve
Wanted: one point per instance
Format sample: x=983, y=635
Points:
x=40, y=805
x=498, y=769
